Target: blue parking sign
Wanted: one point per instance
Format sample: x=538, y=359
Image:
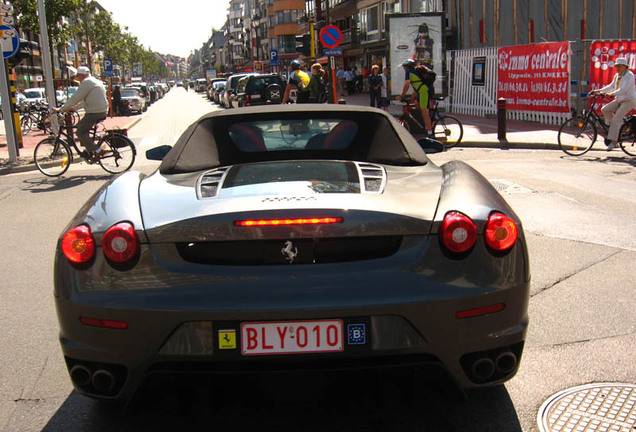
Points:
x=9, y=40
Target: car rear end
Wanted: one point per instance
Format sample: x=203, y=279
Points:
x=350, y=265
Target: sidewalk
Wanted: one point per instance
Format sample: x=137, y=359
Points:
x=478, y=132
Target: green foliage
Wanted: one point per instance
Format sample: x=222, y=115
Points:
x=90, y=26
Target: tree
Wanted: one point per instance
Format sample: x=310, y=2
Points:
x=59, y=32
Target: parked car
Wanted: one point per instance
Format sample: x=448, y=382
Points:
x=214, y=92
x=230, y=87
x=200, y=85
x=35, y=94
x=133, y=99
x=259, y=89
x=297, y=237
x=61, y=97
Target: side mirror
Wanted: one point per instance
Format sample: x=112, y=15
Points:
x=158, y=153
x=430, y=145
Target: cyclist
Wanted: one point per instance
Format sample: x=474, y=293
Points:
x=412, y=78
x=91, y=93
x=624, y=93
x=299, y=79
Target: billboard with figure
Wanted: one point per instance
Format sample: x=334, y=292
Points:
x=419, y=36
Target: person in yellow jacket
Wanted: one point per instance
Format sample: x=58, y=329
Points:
x=299, y=79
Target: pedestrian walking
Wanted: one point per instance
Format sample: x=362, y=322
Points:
x=384, y=92
x=340, y=76
x=375, y=86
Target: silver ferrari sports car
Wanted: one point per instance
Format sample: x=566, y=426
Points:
x=304, y=237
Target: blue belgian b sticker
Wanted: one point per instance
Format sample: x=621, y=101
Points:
x=356, y=334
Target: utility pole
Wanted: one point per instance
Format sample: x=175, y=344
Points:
x=46, y=59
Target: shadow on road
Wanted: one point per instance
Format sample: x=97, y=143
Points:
x=50, y=184
x=361, y=401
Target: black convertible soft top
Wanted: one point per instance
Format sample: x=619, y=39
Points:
x=292, y=132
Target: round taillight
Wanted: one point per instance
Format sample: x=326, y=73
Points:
x=458, y=232
x=501, y=232
x=120, y=242
x=78, y=245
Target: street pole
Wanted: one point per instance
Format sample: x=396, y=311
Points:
x=48, y=66
x=6, y=110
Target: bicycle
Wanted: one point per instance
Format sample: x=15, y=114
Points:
x=54, y=154
x=578, y=134
x=446, y=128
x=35, y=115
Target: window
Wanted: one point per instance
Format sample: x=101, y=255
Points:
x=287, y=44
x=287, y=16
x=369, y=25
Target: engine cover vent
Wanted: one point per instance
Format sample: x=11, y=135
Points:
x=372, y=178
x=209, y=184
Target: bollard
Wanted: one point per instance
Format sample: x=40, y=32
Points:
x=342, y=101
x=501, y=120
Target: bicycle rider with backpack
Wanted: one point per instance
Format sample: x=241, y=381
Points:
x=421, y=78
x=300, y=79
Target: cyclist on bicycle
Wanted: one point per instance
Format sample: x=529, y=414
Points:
x=412, y=78
x=300, y=79
x=91, y=93
x=624, y=92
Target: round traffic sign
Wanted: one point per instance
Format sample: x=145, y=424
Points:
x=10, y=41
x=330, y=36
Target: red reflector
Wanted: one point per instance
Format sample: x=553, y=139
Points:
x=297, y=221
x=485, y=310
x=96, y=322
x=120, y=242
x=458, y=232
x=78, y=244
x=501, y=232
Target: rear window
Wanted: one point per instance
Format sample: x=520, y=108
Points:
x=281, y=135
x=129, y=93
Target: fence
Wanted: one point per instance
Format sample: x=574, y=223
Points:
x=480, y=99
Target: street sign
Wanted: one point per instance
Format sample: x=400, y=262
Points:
x=6, y=9
x=330, y=36
x=108, y=65
x=109, y=74
x=274, y=63
x=7, y=20
x=273, y=55
x=332, y=52
x=9, y=41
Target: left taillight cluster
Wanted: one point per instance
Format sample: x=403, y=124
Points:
x=458, y=233
x=120, y=244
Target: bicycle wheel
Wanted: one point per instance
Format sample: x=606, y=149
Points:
x=119, y=153
x=577, y=136
x=52, y=156
x=448, y=130
x=628, y=139
x=26, y=124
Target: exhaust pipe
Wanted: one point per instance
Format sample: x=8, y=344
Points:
x=483, y=368
x=103, y=380
x=506, y=362
x=80, y=375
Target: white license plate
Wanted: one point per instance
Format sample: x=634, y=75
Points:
x=291, y=337
x=256, y=96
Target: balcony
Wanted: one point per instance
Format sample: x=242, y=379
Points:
x=351, y=37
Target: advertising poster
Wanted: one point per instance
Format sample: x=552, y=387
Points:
x=535, y=77
x=419, y=37
x=602, y=57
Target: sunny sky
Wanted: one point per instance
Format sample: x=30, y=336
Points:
x=176, y=27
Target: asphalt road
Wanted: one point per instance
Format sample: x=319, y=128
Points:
x=578, y=214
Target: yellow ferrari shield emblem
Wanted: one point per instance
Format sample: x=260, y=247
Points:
x=227, y=339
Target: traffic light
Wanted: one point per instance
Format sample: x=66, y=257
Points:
x=303, y=44
x=23, y=52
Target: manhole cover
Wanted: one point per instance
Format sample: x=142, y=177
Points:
x=605, y=407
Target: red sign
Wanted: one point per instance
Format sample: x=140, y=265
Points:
x=603, y=54
x=535, y=77
x=330, y=36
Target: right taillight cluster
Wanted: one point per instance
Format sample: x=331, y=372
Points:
x=120, y=244
x=458, y=233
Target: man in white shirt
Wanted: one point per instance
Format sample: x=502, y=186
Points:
x=91, y=93
x=624, y=93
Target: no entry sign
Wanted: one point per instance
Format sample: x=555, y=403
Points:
x=330, y=36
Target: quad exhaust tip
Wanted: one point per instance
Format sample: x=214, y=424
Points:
x=485, y=368
x=101, y=380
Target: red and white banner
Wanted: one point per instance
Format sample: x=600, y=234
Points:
x=603, y=54
x=535, y=77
